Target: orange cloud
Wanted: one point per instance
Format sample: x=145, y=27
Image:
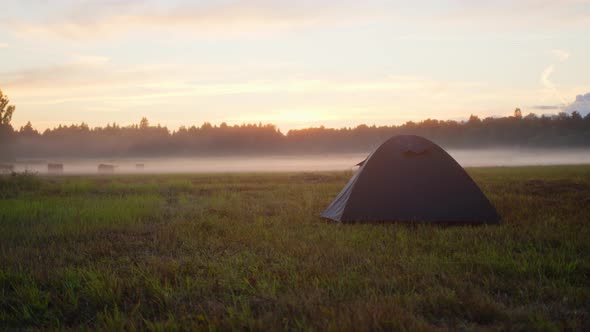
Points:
x=217, y=20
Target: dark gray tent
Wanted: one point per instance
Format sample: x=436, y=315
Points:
x=411, y=179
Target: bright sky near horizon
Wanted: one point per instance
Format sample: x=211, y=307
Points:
x=292, y=63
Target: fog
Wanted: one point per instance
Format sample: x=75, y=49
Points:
x=292, y=163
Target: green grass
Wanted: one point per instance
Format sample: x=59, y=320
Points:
x=248, y=251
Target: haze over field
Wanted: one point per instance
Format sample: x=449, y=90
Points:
x=296, y=163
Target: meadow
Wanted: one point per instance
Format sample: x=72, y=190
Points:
x=249, y=251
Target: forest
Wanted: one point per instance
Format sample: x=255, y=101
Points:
x=563, y=130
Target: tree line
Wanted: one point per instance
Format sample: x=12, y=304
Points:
x=562, y=130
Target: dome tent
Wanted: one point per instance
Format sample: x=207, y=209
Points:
x=411, y=179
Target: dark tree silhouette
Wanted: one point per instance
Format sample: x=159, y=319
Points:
x=28, y=130
x=6, y=131
x=144, y=123
x=556, y=131
x=5, y=110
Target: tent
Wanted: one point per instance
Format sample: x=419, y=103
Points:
x=411, y=179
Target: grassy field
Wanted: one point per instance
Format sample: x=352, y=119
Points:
x=218, y=252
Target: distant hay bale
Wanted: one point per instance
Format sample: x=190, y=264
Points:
x=106, y=169
x=55, y=168
x=139, y=166
x=6, y=168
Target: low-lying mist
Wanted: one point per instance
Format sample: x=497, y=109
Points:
x=294, y=163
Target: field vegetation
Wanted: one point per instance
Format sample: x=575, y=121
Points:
x=249, y=251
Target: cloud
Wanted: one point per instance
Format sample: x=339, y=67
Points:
x=84, y=75
x=561, y=55
x=581, y=105
x=546, y=81
x=99, y=19
x=80, y=72
x=86, y=86
x=104, y=19
x=544, y=15
x=547, y=107
x=546, y=78
x=91, y=60
x=3, y=45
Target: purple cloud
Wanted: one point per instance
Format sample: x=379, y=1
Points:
x=581, y=105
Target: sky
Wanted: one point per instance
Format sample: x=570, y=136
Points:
x=291, y=63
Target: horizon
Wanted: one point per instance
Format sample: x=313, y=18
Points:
x=462, y=120
x=308, y=64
